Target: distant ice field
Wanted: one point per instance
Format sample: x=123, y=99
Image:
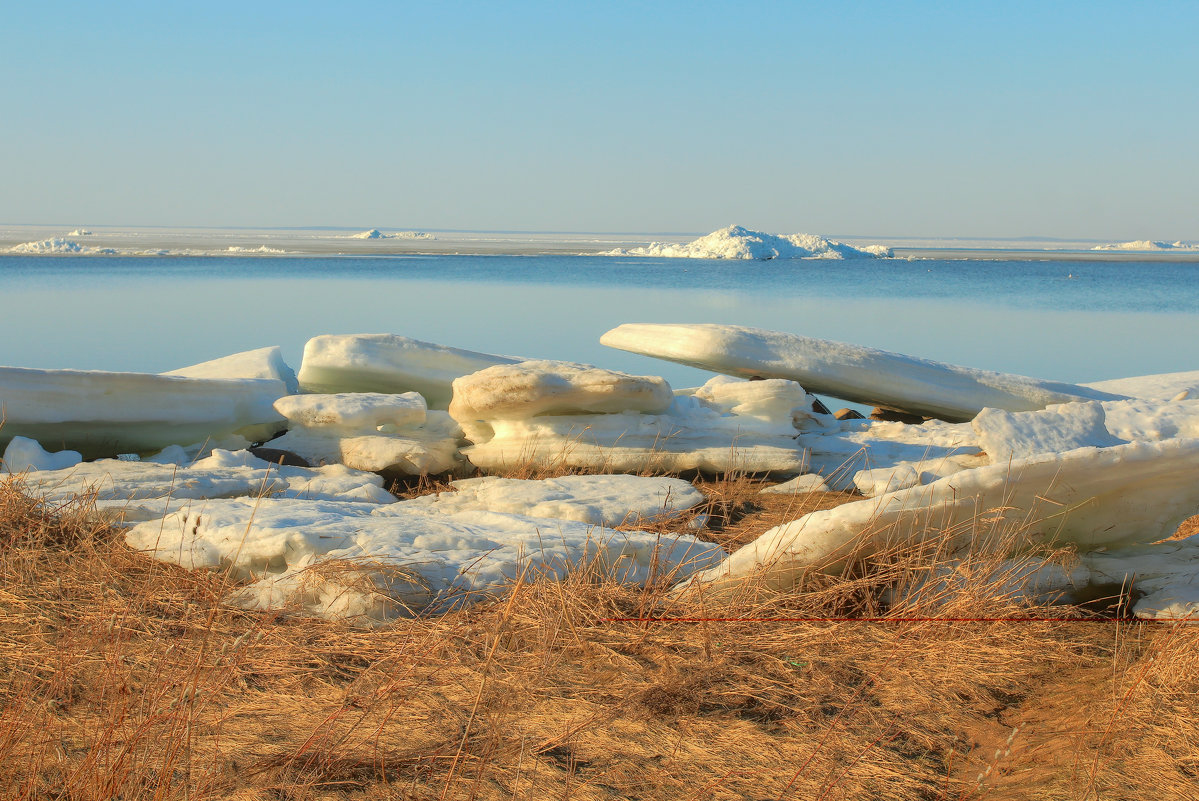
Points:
x=1070, y=320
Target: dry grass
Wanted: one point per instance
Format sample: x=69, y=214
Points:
x=124, y=678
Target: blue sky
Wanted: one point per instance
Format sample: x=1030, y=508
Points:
x=887, y=119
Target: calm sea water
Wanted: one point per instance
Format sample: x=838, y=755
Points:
x=1071, y=321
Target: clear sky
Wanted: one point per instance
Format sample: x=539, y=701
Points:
x=931, y=119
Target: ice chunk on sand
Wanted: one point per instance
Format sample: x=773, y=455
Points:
x=24, y=454
x=808, y=482
x=388, y=363
x=342, y=560
x=265, y=363
x=725, y=425
x=430, y=446
x=609, y=500
x=850, y=372
x=1091, y=497
x=1064, y=427
x=736, y=242
x=132, y=491
x=1161, y=387
x=532, y=388
x=370, y=431
x=103, y=414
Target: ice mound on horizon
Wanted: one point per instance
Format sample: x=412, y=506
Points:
x=737, y=242
x=56, y=245
x=375, y=233
x=259, y=249
x=80, y=232
x=1147, y=244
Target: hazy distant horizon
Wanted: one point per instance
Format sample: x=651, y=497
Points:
x=547, y=232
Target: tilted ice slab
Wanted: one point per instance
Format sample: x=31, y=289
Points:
x=370, y=431
x=850, y=372
x=264, y=363
x=725, y=425
x=342, y=560
x=133, y=491
x=388, y=363
x=609, y=500
x=1161, y=387
x=103, y=414
x=1091, y=497
x=736, y=242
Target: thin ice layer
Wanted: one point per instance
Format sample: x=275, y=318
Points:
x=133, y=491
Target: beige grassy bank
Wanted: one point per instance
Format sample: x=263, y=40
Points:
x=125, y=678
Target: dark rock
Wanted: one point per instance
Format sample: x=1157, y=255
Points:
x=894, y=416
x=280, y=457
x=849, y=414
x=818, y=406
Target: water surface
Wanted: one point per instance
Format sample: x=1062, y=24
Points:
x=1071, y=321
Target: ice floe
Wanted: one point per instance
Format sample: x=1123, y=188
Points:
x=727, y=424
x=104, y=414
x=369, y=431
x=849, y=372
x=532, y=388
x=736, y=242
x=335, y=363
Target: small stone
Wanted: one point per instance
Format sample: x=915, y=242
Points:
x=895, y=416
